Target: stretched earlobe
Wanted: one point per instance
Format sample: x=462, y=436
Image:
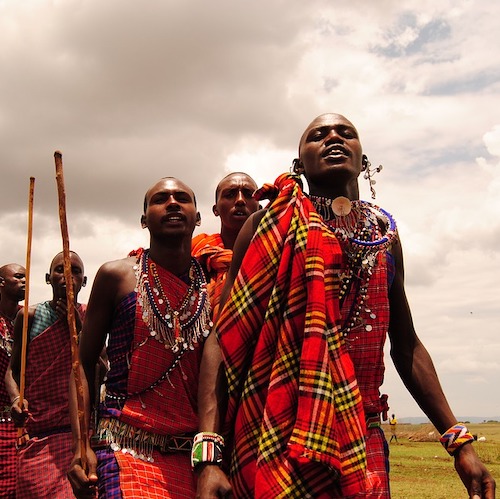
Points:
x=215, y=210
x=364, y=162
x=297, y=167
x=47, y=278
x=198, y=219
x=84, y=283
x=143, y=222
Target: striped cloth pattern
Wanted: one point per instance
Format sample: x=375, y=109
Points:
x=293, y=397
x=209, y=250
x=8, y=433
x=43, y=463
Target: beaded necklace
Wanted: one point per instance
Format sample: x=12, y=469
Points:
x=357, y=225
x=179, y=329
x=5, y=339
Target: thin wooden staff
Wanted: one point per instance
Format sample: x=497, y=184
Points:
x=24, y=341
x=70, y=297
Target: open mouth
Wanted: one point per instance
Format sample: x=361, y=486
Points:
x=173, y=218
x=336, y=151
x=239, y=213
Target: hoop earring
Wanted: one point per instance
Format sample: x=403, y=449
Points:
x=369, y=173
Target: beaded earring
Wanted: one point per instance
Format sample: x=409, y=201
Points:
x=369, y=173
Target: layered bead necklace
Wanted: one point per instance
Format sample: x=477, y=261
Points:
x=357, y=225
x=178, y=329
x=5, y=339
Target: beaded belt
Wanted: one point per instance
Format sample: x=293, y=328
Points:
x=137, y=442
x=372, y=420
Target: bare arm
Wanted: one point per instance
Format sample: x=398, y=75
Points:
x=417, y=371
x=13, y=373
x=212, y=391
x=112, y=280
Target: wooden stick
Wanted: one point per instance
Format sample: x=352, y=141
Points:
x=24, y=342
x=70, y=297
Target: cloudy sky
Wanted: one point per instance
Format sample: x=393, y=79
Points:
x=133, y=91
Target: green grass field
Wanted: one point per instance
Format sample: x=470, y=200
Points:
x=421, y=468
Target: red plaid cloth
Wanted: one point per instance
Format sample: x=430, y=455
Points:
x=293, y=399
x=48, y=367
x=171, y=408
x=169, y=477
x=210, y=252
x=8, y=433
x=44, y=460
x=43, y=463
x=8, y=458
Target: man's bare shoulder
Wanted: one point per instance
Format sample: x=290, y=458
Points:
x=117, y=271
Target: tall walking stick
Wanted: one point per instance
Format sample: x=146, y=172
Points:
x=70, y=297
x=24, y=342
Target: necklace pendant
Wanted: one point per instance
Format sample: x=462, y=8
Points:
x=177, y=327
x=341, y=206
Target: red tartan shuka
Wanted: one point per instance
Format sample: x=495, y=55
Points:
x=44, y=460
x=8, y=432
x=294, y=404
x=166, y=408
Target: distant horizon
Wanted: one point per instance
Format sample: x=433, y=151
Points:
x=470, y=419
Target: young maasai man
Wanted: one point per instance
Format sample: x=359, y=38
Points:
x=233, y=204
x=318, y=286
x=12, y=284
x=154, y=313
x=44, y=459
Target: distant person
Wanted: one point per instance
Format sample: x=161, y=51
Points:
x=234, y=203
x=45, y=457
x=153, y=312
x=393, y=422
x=12, y=286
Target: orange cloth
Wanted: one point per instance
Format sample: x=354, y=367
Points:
x=209, y=250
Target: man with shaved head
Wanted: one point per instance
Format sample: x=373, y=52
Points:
x=45, y=450
x=152, y=311
x=234, y=203
x=12, y=284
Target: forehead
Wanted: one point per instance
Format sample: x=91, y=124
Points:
x=10, y=270
x=235, y=180
x=169, y=185
x=58, y=260
x=326, y=120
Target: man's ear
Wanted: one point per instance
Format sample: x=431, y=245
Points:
x=143, y=221
x=198, y=218
x=215, y=210
x=84, y=283
x=2, y=281
x=47, y=278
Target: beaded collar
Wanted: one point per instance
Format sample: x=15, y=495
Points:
x=363, y=231
x=177, y=329
x=5, y=339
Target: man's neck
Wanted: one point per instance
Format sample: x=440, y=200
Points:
x=228, y=237
x=8, y=308
x=175, y=259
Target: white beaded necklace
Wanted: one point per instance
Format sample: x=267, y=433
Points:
x=357, y=227
x=177, y=329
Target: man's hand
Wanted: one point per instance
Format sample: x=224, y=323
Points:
x=473, y=473
x=84, y=483
x=213, y=483
x=18, y=415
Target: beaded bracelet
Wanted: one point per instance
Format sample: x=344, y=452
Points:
x=207, y=448
x=454, y=438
